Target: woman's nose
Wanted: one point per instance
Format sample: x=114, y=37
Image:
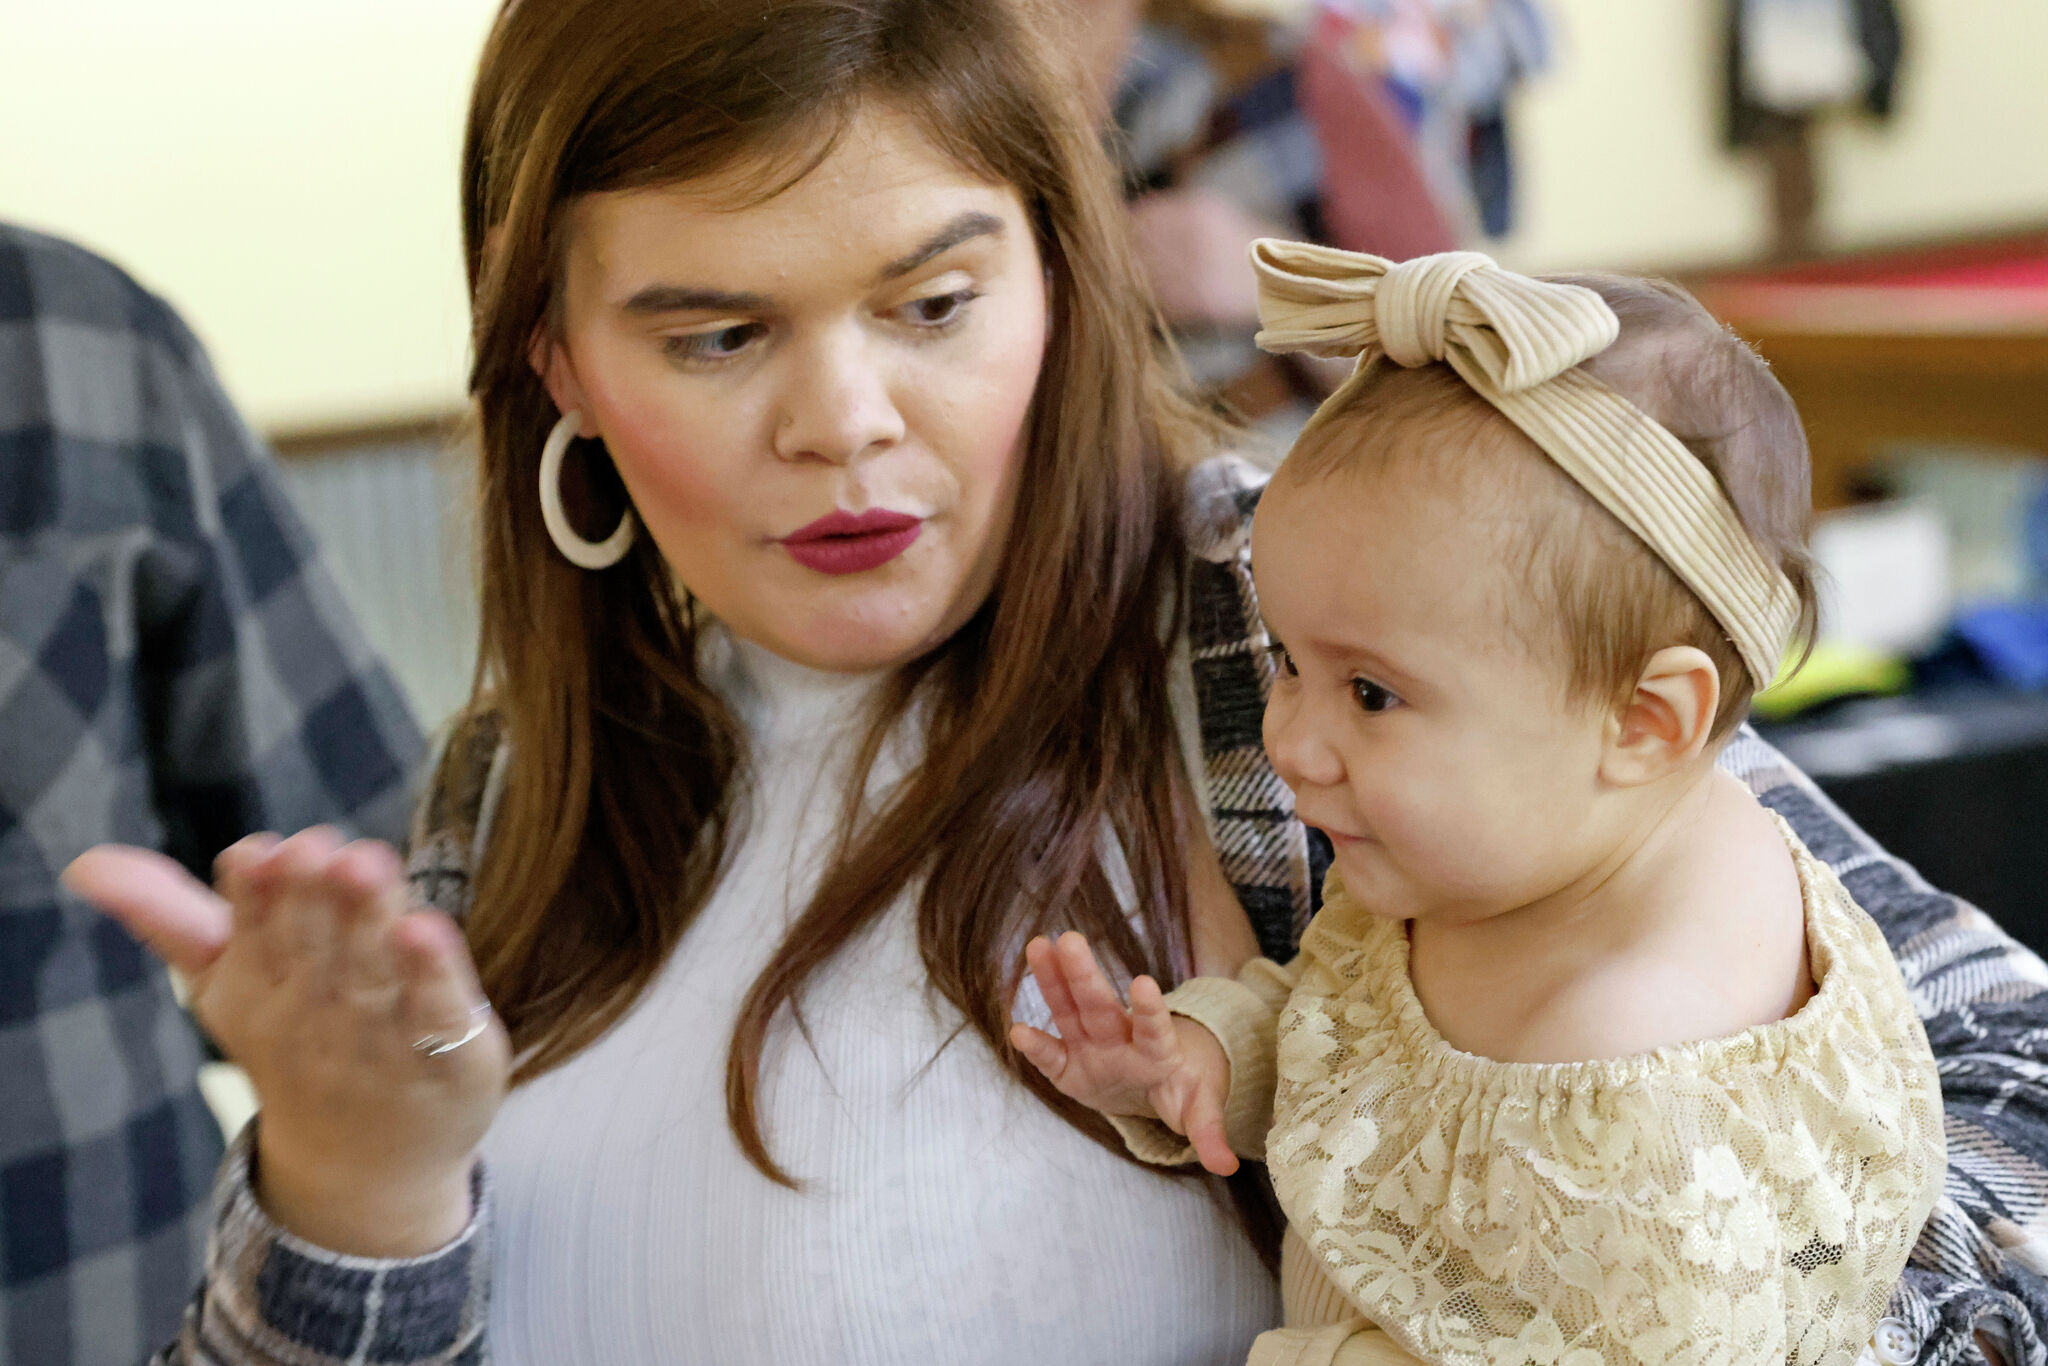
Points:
x=1296, y=744
x=837, y=404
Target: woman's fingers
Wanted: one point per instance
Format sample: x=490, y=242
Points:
x=234, y=870
x=299, y=923
x=369, y=889
x=156, y=900
x=1103, y=1018
x=440, y=993
x=232, y=865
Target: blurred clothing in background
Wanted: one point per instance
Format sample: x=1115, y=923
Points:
x=1788, y=62
x=1373, y=125
x=176, y=670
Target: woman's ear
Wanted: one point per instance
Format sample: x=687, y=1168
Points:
x=1667, y=722
x=550, y=360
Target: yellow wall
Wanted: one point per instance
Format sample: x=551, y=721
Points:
x=284, y=170
x=1621, y=164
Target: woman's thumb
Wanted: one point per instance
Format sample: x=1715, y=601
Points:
x=156, y=900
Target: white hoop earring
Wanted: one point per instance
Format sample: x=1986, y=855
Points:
x=577, y=551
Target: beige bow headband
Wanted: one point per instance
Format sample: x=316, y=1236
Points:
x=1517, y=342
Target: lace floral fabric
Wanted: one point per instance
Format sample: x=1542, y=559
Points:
x=1745, y=1199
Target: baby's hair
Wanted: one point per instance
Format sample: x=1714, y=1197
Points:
x=1611, y=603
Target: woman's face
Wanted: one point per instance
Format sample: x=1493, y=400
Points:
x=818, y=402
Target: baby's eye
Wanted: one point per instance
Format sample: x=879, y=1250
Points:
x=940, y=310
x=1372, y=697
x=1281, y=659
x=723, y=344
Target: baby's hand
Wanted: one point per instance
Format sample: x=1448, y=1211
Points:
x=1142, y=1061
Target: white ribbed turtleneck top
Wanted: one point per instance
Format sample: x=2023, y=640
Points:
x=948, y=1218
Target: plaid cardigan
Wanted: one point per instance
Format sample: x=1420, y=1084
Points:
x=1983, y=997
x=177, y=668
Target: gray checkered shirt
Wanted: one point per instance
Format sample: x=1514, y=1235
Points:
x=176, y=670
x=1983, y=997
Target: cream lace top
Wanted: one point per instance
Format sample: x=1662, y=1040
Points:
x=1743, y=1199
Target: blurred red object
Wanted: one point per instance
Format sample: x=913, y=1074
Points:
x=1375, y=198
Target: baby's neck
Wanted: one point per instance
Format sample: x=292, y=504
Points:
x=1697, y=890
x=1659, y=844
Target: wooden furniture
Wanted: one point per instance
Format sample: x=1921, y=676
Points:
x=1940, y=346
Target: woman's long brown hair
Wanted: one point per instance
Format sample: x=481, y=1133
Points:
x=1048, y=716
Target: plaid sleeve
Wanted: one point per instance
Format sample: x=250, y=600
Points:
x=1983, y=997
x=272, y=1298
x=270, y=710
x=1268, y=858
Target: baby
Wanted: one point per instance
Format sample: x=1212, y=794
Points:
x=1585, y=1059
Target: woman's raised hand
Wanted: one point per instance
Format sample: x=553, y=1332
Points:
x=1142, y=1061
x=311, y=970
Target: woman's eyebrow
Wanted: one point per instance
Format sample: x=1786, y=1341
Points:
x=679, y=299
x=964, y=228
x=656, y=299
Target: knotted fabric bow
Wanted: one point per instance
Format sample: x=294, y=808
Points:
x=1518, y=343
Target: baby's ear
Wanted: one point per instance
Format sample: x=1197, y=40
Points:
x=1667, y=722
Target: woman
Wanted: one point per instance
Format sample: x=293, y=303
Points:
x=919, y=638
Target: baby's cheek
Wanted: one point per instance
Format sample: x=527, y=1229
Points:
x=1452, y=839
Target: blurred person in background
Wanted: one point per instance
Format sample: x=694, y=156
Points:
x=1373, y=125
x=176, y=670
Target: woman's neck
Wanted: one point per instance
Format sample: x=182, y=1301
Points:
x=775, y=697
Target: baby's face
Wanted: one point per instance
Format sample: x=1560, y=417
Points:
x=1442, y=757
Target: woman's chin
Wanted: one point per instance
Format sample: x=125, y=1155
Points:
x=853, y=646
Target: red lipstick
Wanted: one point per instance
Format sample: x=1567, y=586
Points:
x=853, y=543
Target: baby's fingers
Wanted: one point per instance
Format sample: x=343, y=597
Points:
x=1104, y=1021
x=1052, y=985
x=1151, y=1023
x=1204, y=1122
x=1041, y=1050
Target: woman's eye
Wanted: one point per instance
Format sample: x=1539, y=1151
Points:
x=723, y=344
x=1372, y=698
x=1282, y=660
x=940, y=310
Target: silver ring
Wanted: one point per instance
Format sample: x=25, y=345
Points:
x=433, y=1045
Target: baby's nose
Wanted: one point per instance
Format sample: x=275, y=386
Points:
x=1297, y=747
